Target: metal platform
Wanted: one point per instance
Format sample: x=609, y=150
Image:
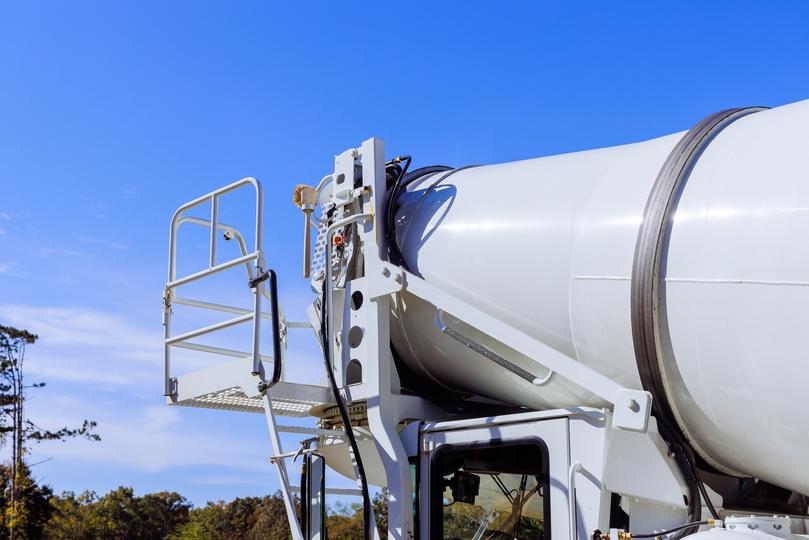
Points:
x=230, y=386
x=233, y=399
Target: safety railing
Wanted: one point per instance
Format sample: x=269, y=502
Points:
x=254, y=264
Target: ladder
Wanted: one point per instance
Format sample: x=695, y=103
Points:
x=249, y=381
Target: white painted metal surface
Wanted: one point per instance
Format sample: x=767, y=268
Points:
x=547, y=245
x=518, y=290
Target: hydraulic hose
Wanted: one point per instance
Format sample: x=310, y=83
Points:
x=686, y=526
x=341, y=406
x=394, y=251
x=683, y=458
x=403, y=179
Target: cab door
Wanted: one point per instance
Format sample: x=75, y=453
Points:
x=494, y=479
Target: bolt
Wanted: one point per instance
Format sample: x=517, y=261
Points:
x=385, y=271
x=398, y=278
x=632, y=405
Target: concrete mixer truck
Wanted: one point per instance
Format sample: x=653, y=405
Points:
x=606, y=344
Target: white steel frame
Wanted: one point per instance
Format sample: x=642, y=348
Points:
x=386, y=407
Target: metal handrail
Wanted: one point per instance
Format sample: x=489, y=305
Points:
x=214, y=198
x=222, y=227
x=276, y=332
x=173, y=282
x=239, y=238
x=216, y=307
x=212, y=270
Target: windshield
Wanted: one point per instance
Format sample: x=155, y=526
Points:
x=491, y=493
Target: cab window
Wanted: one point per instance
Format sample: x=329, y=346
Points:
x=490, y=492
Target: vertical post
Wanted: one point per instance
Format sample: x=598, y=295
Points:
x=379, y=375
x=257, y=366
x=167, y=294
x=281, y=467
x=574, y=469
x=259, y=223
x=214, y=224
x=167, y=386
x=258, y=291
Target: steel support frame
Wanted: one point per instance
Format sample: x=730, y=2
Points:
x=632, y=408
x=386, y=408
x=380, y=377
x=281, y=468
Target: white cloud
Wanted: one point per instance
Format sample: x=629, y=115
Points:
x=79, y=344
x=50, y=369
x=60, y=251
x=83, y=326
x=5, y=216
x=83, y=345
x=8, y=268
x=104, y=243
x=151, y=439
x=228, y=480
x=113, y=370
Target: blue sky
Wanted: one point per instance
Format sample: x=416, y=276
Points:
x=112, y=114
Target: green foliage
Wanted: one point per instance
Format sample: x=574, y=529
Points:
x=345, y=522
x=117, y=515
x=244, y=518
x=121, y=515
x=461, y=518
x=32, y=512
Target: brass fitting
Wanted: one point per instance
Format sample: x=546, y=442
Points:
x=305, y=198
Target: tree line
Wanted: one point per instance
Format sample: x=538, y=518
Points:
x=122, y=515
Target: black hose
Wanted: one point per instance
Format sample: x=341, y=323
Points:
x=394, y=253
x=403, y=179
x=692, y=524
x=412, y=176
x=341, y=406
x=683, y=457
x=689, y=462
x=705, y=497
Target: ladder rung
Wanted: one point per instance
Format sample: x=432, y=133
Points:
x=211, y=328
x=218, y=350
x=212, y=270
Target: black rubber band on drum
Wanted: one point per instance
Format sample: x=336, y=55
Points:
x=650, y=333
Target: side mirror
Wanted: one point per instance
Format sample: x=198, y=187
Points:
x=465, y=487
x=313, y=497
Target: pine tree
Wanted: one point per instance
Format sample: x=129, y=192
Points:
x=13, y=394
